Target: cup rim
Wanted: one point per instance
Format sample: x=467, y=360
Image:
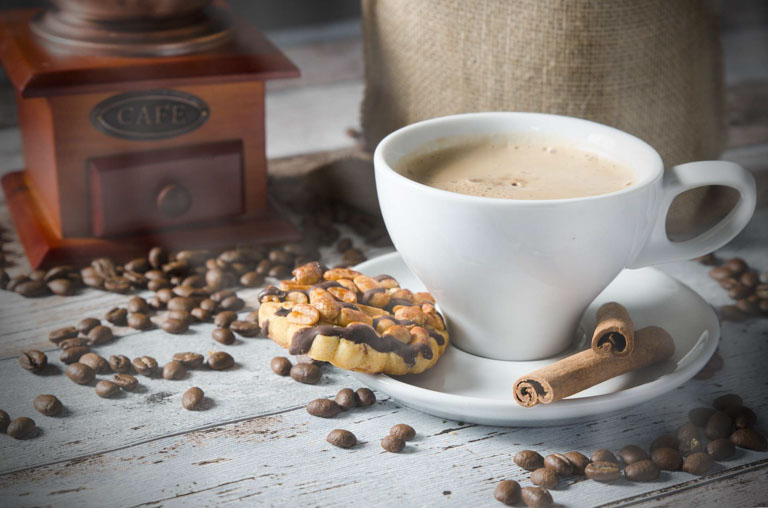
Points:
x=381, y=165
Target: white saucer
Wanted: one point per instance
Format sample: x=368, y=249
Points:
x=473, y=389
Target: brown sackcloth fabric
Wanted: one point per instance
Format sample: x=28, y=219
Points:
x=652, y=68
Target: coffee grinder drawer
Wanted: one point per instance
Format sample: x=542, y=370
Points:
x=153, y=190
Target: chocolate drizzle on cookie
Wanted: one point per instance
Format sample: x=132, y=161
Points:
x=272, y=291
x=366, y=298
x=382, y=277
x=407, y=322
x=282, y=312
x=359, y=333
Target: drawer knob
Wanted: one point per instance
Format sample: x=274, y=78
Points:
x=173, y=200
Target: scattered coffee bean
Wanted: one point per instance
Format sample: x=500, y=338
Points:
x=100, y=335
x=346, y=399
x=87, y=324
x=536, y=497
x=698, y=463
x=528, y=460
x=720, y=449
x=281, y=365
x=56, y=336
x=306, y=373
x=181, y=303
x=5, y=419
x=157, y=257
x=139, y=321
x=96, y=362
x=700, y=415
x=323, y=408
x=632, y=453
x=341, y=438
x=365, y=397
x=736, y=266
x=245, y=328
x=223, y=336
x=224, y=319
x=137, y=304
x=642, y=471
x=507, y=492
x=689, y=439
x=707, y=259
x=73, y=354
x=392, y=444
x=602, y=471
x=120, y=363
x=21, y=427
x=545, y=477
x=192, y=398
x=743, y=417
x=664, y=441
x=175, y=326
x=578, y=460
x=749, y=439
x=70, y=343
x=200, y=315
x=80, y=373
x=62, y=287
x=718, y=426
x=189, y=360
x=32, y=289
x=220, y=360
x=117, y=316
x=727, y=401
x=252, y=279
x=179, y=315
x=667, y=459
x=125, y=381
x=558, y=463
x=106, y=389
x=220, y=296
x=174, y=370
x=232, y=303
x=48, y=405
x=603, y=455
x=33, y=360
x=403, y=431
x=145, y=365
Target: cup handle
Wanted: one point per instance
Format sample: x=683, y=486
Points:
x=659, y=249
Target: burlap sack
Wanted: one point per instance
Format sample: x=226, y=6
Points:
x=652, y=68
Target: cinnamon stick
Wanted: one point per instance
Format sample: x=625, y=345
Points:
x=615, y=333
x=586, y=369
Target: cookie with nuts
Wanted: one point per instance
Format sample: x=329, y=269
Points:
x=355, y=322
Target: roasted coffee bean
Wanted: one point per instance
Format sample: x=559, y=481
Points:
x=125, y=381
x=739, y=291
x=87, y=324
x=209, y=305
x=70, y=343
x=727, y=401
x=189, y=360
x=200, y=315
x=120, y=363
x=179, y=315
x=558, y=463
x=145, y=365
x=728, y=283
x=32, y=289
x=341, y=438
x=21, y=427
x=720, y=273
x=545, y=477
x=62, y=287
x=33, y=360
x=698, y=463
x=80, y=373
x=603, y=455
x=281, y=365
x=665, y=441
x=632, y=453
x=252, y=279
x=224, y=319
x=181, y=303
x=749, y=305
x=642, y=471
x=718, y=426
x=175, y=326
x=720, y=449
x=528, y=460
x=749, y=278
x=165, y=295
x=174, y=370
x=507, y=492
x=140, y=265
x=700, y=415
x=158, y=285
x=324, y=408
x=232, y=303
x=214, y=278
x=73, y=354
x=245, y=328
x=346, y=399
x=96, y=362
x=100, y=335
x=280, y=271
x=707, y=259
x=220, y=360
x=263, y=267
x=761, y=291
x=536, y=497
x=602, y=471
x=743, y=417
x=306, y=373
x=15, y=281
x=689, y=439
x=749, y=439
x=736, y=266
x=223, y=336
x=667, y=459
x=5, y=419
x=48, y=405
x=117, y=316
x=106, y=389
x=194, y=281
x=220, y=296
x=138, y=304
x=392, y=444
x=60, y=334
x=578, y=460
x=93, y=280
x=139, y=321
x=403, y=431
x=192, y=398
x=364, y=396
x=157, y=257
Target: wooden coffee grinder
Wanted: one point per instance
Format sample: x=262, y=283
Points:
x=142, y=124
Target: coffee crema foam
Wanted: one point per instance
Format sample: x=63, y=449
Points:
x=514, y=166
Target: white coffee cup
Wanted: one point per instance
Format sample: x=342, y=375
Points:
x=513, y=277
